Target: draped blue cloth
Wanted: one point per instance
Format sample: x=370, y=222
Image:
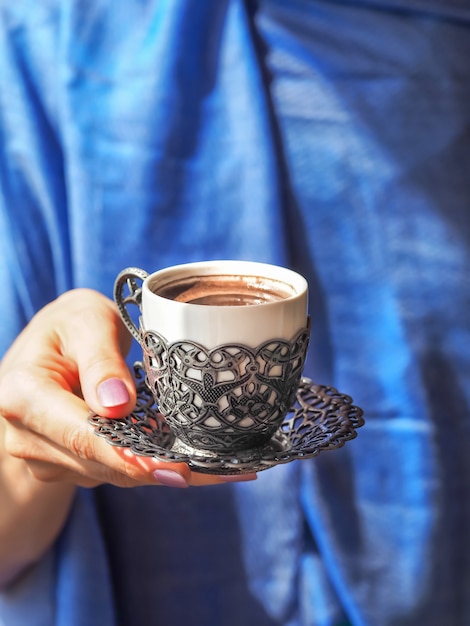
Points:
x=331, y=137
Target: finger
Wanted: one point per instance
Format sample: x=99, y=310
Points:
x=51, y=463
x=61, y=420
x=200, y=480
x=46, y=472
x=55, y=428
x=195, y=479
x=95, y=339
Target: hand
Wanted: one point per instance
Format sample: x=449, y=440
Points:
x=69, y=359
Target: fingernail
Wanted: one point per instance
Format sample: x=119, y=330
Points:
x=169, y=478
x=113, y=392
x=239, y=478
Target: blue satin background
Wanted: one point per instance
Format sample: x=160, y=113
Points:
x=332, y=137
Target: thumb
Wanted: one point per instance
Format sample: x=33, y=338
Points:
x=97, y=341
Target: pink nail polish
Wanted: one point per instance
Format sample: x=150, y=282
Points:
x=113, y=392
x=169, y=478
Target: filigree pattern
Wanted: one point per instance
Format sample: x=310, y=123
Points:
x=320, y=419
x=226, y=399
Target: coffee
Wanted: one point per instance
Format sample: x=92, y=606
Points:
x=225, y=290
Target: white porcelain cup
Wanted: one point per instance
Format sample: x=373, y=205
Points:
x=224, y=375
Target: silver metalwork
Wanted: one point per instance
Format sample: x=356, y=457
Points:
x=226, y=399
x=321, y=418
x=128, y=291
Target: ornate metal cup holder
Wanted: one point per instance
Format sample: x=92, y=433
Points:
x=321, y=419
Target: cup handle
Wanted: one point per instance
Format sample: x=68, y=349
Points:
x=127, y=291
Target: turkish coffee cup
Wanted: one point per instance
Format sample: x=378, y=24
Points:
x=224, y=345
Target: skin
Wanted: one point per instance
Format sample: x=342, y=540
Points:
x=48, y=383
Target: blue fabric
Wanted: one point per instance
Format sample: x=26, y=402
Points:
x=332, y=137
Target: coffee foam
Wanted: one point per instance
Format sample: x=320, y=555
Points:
x=225, y=290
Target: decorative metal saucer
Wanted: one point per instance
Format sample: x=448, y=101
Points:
x=321, y=419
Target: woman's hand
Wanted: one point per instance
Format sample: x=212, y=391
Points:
x=69, y=359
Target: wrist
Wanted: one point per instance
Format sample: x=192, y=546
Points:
x=32, y=515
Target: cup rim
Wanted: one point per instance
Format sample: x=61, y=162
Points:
x=232, y=267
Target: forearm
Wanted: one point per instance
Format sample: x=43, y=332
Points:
x=32, y=514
